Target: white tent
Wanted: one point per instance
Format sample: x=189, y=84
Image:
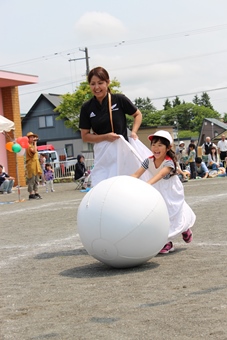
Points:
x=6, y=125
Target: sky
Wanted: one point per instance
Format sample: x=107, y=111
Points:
x=155, y=49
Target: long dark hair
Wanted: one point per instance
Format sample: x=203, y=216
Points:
x=215, y=154
x=170, y=152
x=99, y=72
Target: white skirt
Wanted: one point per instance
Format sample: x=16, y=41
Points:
x=118, y=158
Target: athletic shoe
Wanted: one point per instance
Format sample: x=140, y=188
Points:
x=85, y=190
x=52, y=190
x=168, y=248
x=187, y=236
x=32, y=196
x=38, y=196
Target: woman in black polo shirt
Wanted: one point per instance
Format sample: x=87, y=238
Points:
x=95, y=113
x=95, y=118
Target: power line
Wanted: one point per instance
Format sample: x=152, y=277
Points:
x=47, y=88
x=130, y=66
x=124, y=43
x=190, y=93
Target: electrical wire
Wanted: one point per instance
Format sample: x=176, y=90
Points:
x=123, y=43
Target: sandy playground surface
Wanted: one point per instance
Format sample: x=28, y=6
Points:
x=50, y=288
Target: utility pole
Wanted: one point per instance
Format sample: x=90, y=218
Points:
x=87, y=59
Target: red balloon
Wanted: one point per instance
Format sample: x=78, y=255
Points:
x=19, y=139
x=23, y=141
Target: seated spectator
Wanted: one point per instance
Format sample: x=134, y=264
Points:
x=214, y=162
x=80, y=167
x=81, y=170
x=6, y=182
x=201, y=168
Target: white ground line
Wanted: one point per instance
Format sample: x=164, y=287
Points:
x=69, y=243
x=46, y=206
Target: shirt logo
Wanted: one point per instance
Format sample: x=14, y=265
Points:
x=114, y=108
x=92, y=114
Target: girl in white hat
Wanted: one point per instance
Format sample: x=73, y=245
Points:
x=162, y=167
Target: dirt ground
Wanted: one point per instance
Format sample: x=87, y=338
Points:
x=50, y=288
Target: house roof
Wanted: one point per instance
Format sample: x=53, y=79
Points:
x=217, y=122
x=54, y=99
x=214, y=122
x=8, y=79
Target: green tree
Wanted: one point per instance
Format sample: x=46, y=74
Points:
x=146, y=107
x=167, y=105
x=154, y=119
x=69, y=109
x=200, y=113
x=196, y=100
x=225, y=118
x=189, y=116
x=181, y=113
x=205, y=101
x=176, y=101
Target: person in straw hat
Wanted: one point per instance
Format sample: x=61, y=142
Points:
x=33, y=168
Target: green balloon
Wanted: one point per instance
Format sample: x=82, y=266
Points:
x=16, y=147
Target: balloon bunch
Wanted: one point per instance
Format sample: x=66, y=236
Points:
x=18, y=146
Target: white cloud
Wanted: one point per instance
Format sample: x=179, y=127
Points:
x=99, y=25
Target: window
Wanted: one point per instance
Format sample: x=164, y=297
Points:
x=46, y=121
x=69, y=150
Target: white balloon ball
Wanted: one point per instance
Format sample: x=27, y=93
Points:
x=22, y=152
x=123, y=221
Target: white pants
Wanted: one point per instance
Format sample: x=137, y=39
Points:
x=50, y=185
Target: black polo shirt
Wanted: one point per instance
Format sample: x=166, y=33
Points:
x=95, y=116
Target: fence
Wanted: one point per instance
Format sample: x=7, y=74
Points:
x=61, y=171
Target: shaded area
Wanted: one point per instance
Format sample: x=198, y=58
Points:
x=102, y=270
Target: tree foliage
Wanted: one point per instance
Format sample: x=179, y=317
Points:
x=167, y=105
x=203, y=101
x=147, y=108
x=225, y=118
x=176, y=101
x=187, y=116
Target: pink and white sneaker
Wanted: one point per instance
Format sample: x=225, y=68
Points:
x=187, y=236
x=168, y=248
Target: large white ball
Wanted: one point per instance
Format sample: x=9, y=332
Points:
x=123, y=221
